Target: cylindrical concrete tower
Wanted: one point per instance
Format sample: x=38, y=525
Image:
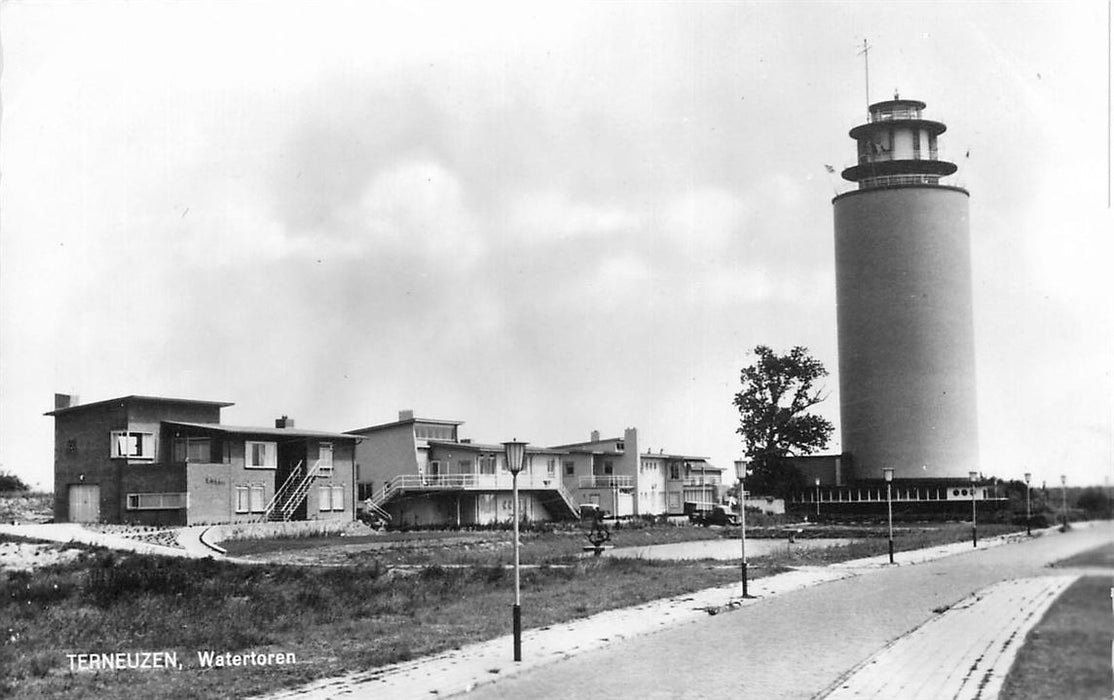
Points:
x=903, y=289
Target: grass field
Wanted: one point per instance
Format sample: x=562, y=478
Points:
x=1067, y=656
x=564, y=545
x=334, y=619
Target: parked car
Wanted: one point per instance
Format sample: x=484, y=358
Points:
x=718, y=515
x=591, y=511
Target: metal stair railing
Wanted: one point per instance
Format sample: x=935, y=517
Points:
x=282, y=492
x=387, y=491
x=300, y=491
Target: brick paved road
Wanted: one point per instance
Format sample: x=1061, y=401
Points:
x=963, y=653
x=796, y=645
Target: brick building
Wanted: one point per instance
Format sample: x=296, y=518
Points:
x=165, y=461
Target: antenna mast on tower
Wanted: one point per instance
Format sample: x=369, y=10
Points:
x=865, y=53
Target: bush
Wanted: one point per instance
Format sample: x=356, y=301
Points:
x=10, y=482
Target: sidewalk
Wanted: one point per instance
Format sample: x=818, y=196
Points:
x=964, y=653
x=188, y=539
x=462, y=670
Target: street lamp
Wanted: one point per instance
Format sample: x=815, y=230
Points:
x=1064, y=498
x=817, y=498
x=1028, y=512
x=974, y=527
x=514, y=452
x=888, y=475
x=741, y=475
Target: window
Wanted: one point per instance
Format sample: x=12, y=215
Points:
x=157, y=501
x=325, y=457
x=608, y=467
x=192, y=449
x=330, y=498
x=250, y=498
x=464, y=466
x=674, y=471
x=487, y=464
x=570, y=468
x=620, y=446
x=132, y=445
x=365, y=491
x=243, y=499
x=260, y=455
x=551, y=467
x=433, y=432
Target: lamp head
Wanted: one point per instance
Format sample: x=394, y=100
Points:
x=1027, y=477
x=740, y=469
x=888, y=474
x=514, y=452
x=974, y=476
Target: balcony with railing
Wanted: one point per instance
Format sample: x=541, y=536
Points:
x=894, y=114
x=472, y=482
x=702, y=481
x=886, y=156
x=606, y=481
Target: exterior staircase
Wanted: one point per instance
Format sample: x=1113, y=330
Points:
x=291, y=494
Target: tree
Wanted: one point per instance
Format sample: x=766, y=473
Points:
x=1094, y=502
x=11, y=482
x=774, y=421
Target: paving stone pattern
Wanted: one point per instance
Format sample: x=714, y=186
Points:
x=964, y=653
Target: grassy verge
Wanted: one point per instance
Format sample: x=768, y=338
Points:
x=486, y=548
x=1100, y=556
x=1067, y=655
x=333, y=620
x=562, y=546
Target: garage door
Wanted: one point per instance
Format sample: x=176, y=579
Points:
x=85, y=503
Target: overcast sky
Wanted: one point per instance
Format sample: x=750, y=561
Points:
x=537, y=219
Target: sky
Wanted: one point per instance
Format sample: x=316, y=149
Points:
x=539, y=219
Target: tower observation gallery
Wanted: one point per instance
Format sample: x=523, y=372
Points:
x=903, y=294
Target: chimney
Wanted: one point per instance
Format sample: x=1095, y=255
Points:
x=284, y=422
x=595, y=436
x=406, y=414
x=64, y=401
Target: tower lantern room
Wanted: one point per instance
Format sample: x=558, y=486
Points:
x=897, y=147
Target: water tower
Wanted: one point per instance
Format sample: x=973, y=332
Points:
x=903, y=289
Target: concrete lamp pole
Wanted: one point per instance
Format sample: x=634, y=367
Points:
x=888, y=475
x=1028, y=511
x=741, y=475
x=817, y=498
x=1064, y=499
x=514, y=452
x=974, y=527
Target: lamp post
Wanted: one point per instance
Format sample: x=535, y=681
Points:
x=514, y=452
x=1064, y=498
x=741, y=474
x=974, y=526
x=888, y=475
x=1028, y=511
x=817, y=498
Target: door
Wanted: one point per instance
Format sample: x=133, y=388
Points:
x=85, y=503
